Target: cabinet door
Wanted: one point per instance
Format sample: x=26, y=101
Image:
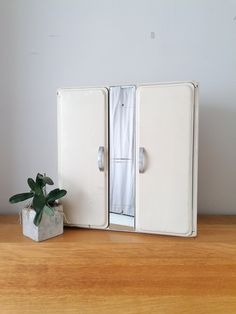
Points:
x=82, y=155
x=165, y=154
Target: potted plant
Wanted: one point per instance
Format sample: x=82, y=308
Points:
x=43, y=217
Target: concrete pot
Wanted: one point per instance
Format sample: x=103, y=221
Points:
x=49, y=227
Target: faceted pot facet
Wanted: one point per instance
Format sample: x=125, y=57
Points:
x=49, y=227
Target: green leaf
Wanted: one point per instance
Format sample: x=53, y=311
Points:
x=43, y=180
x=51, y=194
x=48, y=210
x=34, y=186
x=47, y=180
x=20, y=197
x=55, y=195
x=31, y=183
x=38, y=202
x=38, y=217
x=39, y=180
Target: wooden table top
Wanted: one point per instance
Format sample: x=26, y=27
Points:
x=90, y=271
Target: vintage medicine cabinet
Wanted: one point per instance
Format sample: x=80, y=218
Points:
x=127, y=155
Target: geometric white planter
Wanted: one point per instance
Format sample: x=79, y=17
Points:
x=49, y=227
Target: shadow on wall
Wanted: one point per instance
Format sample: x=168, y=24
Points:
x=217, y=159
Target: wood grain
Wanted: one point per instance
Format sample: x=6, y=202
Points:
x=89, y=271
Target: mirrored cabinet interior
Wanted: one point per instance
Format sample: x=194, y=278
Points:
x=122, y=155
x=127, y=155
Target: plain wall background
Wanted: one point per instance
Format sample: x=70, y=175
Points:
x=61, y=43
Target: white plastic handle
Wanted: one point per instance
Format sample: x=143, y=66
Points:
x=101, y=151
x=141, y=160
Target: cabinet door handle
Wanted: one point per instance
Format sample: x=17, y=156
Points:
x=101, y=152
x=141, y=159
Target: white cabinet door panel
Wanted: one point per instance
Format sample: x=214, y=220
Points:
x=82, y=129
x=165, y=131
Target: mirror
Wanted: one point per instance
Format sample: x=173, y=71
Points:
x=122, y=157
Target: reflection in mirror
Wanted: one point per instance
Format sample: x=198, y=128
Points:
x=122, y=157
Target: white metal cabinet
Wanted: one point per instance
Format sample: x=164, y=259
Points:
x=166, y=143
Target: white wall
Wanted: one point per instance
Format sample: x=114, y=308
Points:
x=54, y=43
